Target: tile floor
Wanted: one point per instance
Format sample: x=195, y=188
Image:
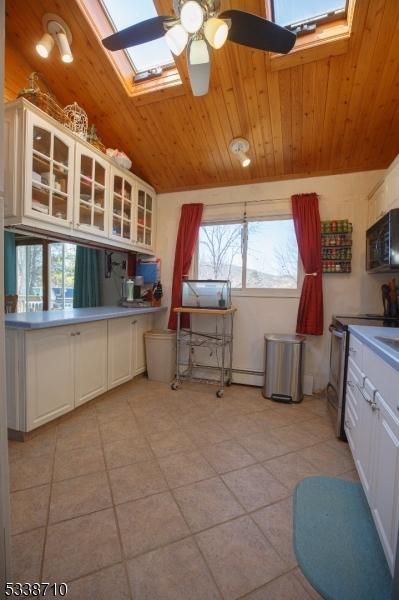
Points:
x=149, y=493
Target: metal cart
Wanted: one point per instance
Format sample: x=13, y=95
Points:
x=222, y=340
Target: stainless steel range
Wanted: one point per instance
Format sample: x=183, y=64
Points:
x=339, y=351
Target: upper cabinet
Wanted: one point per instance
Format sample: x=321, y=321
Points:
x=49, y=173
x=55, y=181
x=145, y=217
x=91, y=192
x=122, y=206
x=385, y=195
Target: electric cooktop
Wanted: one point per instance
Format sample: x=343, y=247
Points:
x=366, y=319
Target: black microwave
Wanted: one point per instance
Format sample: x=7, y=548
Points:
x=382, y=239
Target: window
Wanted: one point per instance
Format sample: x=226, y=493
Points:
x=61, y=275
x=304, y=16
x=30, y=278
x=146, y=56
x=254, y=255
x=45, y=275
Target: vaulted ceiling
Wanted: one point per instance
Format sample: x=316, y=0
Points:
x=327, y=110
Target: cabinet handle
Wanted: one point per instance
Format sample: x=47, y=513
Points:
x=71, y=222
x=374, y=406
x=134, y=322
x=347, y=424
x=352, y=350
x=73, y=334
x=77, y=224
x=351, y=384
x=77, y=333
x=368, y=400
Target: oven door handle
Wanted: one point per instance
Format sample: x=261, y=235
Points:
x=335, y=332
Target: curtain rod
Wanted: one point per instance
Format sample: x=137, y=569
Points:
x=245, y=203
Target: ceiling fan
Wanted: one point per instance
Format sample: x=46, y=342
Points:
x=199, y=25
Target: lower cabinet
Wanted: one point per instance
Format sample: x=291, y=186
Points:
x=372, y=429
x=51, y=371
x=385, y=504
x=90, y=342
x=143, y=323
x=49, y=362
x=121, y=349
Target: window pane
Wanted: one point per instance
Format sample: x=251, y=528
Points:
x=219, y=255
x=124, y=14
x=30, y=278
x=272, y=256
x=287, y=12
x=61, y=275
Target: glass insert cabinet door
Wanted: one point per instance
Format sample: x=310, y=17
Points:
x=144, y=223
x=91, y=189
x=122, y=202
x=49, y=173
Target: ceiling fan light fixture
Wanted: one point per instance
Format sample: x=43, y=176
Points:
x=45, y=45
x=199, y=52
x=239, y=148
x=216, y=32
x=176, y=38
x=192, y=16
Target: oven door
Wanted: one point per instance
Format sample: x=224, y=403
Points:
x=336, y=385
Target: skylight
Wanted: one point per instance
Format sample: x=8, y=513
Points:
x=124, y=13
x=292, y=12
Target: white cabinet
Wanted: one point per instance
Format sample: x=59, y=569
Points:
x=49, y=173
x=91, y=192
x=143, y=324
x=122, y=207
x=90, y=353
x=385, y=195
x=49, y=365
x=56, y=181
x=386, y=483
x=145, y=217
x=126, y=350
x=121, y=347
x=51, y=371
x=372, y=429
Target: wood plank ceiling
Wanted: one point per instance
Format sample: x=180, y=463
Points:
x=332, y=114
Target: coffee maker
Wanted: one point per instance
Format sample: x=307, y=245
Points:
x=131, y=292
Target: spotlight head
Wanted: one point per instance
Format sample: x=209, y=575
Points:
x=239, y=148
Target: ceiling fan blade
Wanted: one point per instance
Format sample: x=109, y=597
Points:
x=137, y=34
x=199, y=70
x=253, y=31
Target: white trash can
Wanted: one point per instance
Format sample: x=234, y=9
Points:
x=160, y=350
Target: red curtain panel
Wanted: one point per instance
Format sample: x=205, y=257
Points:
x=305, y=210
x=190, y=221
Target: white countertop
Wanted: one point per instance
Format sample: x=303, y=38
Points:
x=368, y=336
x=56, y=318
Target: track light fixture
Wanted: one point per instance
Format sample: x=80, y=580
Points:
x=239, y=148
x=56, y=30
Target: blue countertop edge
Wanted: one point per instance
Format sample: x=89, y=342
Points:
x=367, y=335
x=72, y=316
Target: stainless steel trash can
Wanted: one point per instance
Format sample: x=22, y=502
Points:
x=284, y=367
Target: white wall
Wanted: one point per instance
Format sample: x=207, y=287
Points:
x=341, y=197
